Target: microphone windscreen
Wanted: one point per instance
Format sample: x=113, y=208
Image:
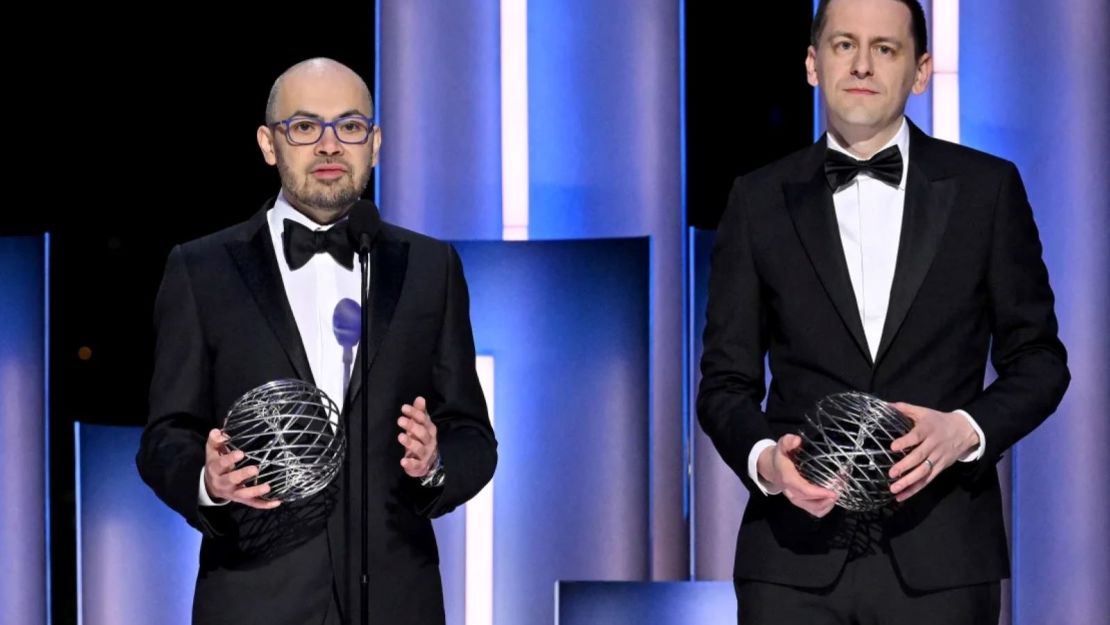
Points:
x=346, y=322
x=363, y=224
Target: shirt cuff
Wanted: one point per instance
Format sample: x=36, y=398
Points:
x=203, y=497
x=753, y=469
x=977, y=452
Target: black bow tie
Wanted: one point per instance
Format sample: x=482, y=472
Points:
x=842, y=169
x=301, y=244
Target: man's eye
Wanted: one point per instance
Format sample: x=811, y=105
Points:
x=304, y=127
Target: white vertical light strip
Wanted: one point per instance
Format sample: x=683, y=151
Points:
x=479, y=527
x=46, y=425
x=514, y=120
x=946, y=70
x=77, y=519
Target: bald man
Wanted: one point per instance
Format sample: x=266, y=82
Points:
x=254, y=303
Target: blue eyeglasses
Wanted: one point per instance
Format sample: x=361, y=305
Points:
x=353, y=129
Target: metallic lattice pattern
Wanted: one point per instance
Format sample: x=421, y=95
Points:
x=291, y=430
x=846, y=448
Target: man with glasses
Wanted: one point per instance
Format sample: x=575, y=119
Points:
x=257, y=302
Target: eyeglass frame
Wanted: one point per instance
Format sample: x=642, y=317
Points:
x=371, y=126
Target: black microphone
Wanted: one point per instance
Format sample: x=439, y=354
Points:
x=363, y=224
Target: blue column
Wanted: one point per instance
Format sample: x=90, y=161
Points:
x=567, y=325
x=719, y=498
x=605, y=157
x=440, y=112
x=1034, y=89
x=24, y=525
x=439, y=105
x=605, y=162
x=137, y=559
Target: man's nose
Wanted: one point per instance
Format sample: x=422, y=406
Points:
x=329, y=143
x=861, y=64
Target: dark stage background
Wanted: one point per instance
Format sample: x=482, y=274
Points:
x=138, y=132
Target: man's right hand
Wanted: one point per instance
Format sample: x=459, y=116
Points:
x=223, y=482
x=776, y=465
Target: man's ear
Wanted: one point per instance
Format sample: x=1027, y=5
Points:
x=923, y=73
x=811, y=66
x=265, y=137
x=375, y=145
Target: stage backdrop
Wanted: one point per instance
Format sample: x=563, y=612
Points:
x=24, y=450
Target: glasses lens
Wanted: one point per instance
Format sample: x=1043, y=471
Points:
x=303, y=130
x=352, y=129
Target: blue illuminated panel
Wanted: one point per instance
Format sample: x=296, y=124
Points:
x=1034, y=89
x=658, y=603
x=23, y=431
x=567, y=322
x=440, y=104
x=605, y=157
x=719, y=497
x=450, y=532
x=137, y=559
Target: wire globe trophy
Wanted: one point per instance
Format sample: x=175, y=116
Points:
x=291, y=430
x=846, y=448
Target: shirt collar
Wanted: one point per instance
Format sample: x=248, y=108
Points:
x=284, y=210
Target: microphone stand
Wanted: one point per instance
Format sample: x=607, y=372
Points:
x=364, y=287
x=363, y=226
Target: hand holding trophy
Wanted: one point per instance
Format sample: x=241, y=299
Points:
x=846, y=448
x=289, y=430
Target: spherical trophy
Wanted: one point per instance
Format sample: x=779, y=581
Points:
x=291, y=430
x=846, y=448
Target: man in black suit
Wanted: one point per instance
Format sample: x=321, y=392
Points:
x=884, y=261
x=255, y=303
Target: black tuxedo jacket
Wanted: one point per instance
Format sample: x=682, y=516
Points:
x=969, y=282
x=224, y=326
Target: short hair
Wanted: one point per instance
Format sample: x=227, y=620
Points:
x=919, y=28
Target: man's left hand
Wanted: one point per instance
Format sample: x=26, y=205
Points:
x=419, y=439
x=937, y=440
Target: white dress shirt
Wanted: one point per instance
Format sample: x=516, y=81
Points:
x=869, y=217
x=313, y=291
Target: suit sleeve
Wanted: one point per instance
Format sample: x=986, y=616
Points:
x=171, y=450
x=467, y=444
x=1027, y=355
x=732, y=364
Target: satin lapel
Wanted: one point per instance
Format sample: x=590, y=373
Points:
x=810, y=205
x=388, y=263
x=257, y=263
x=928, y=205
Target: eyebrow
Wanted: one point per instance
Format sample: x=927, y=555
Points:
x=347, y=113
x=350, y=112
x=892, y=41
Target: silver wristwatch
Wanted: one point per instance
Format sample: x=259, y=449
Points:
x=435, y=477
